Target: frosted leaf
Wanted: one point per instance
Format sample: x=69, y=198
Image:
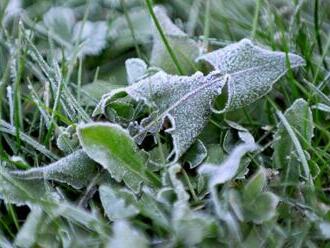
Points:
x=226, y=171
x=125, y=236
x=67, y=141
x=300, y=118
x=112, y=147
x=21, y=192
x=252, y=71
x=195, y=155
x=190, y=226
x=135, y=69
x=27, y=235
x=178, y=186
x=325, y=229
x=76, y=169
x=182, y=103
x=120, y=33
x=116, y=202
x=93, y=36
x=186, y=49
x=13, y=9
x=60, y=20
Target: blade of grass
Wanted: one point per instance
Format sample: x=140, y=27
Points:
x=163, y=37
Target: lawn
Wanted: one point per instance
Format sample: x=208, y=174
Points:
x=179, y=123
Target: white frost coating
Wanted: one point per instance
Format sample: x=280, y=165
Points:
x=13, y=9
x=22, y=192
x=135, y=69
x=28, y=234
x=77, y=170
x=115, y=205
x=252, y=71
x=182, y=100
x=60, y=20
x=227, y=170
x=125, y=236
x=92, y=34
x=186, y=49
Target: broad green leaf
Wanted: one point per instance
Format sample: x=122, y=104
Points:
x=125, y=236
x=112, y=147
x=228, y=169
x=262, y=209
x=300, y=118
x=22, y=192
x=27, y=235
x=252, y=71
x=116, y=202
x=76, y=169
x=255, y=185
x=186, y=49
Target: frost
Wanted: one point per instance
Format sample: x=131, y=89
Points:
x=93, y=36
x=13, y=9
x=226, y=171
x=20, y=191
x=77, y=170
x=67, y=141
x=135, y=69
x=62, y=22
x=252, y=71
x=28, y=233
x=190, y=226
x=185, y=48
x=125, y=236
x=116, y=202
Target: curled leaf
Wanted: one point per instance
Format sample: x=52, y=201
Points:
x=252, y=71
x=227, y=170
x=182, y=104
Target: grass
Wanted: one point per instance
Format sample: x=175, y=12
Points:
x=50, y=78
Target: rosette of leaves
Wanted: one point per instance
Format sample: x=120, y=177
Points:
x=181, y=105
